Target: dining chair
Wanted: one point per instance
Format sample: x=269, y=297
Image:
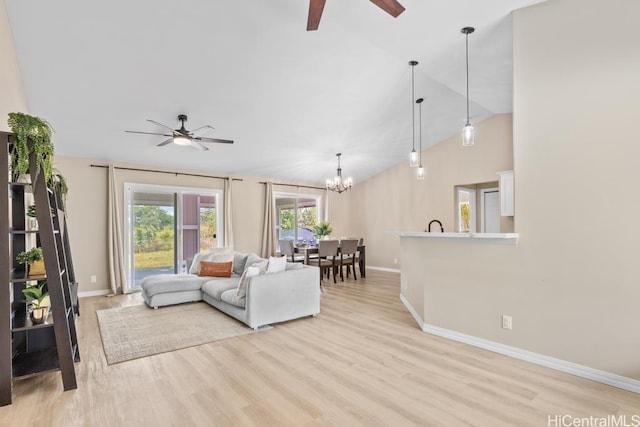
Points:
x=287, y=249
x=327, y=258
x=348, y=253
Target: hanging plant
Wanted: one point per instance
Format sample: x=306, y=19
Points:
x=25, y=127
x=58, y=179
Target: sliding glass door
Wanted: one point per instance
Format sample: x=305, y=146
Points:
x=166, y=226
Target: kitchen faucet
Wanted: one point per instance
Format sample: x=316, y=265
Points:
x=435, y=220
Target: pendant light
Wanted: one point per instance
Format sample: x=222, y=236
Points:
x=413, y=156
x=467, y=130
x=421, y=171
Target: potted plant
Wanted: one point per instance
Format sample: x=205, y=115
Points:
x=31, y=212
x=322, y=229
x=38, y=299
x=24, y=128
x=34, y=259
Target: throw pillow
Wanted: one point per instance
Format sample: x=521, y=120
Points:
x=244, y=280
x=252, y=259
x=215, y=269
x=276, y=264
x=195, y=264
x=239, y=261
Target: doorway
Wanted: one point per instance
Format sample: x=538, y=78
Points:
x=490, y=210
x=166, y=226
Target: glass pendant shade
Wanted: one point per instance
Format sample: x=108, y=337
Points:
x=421, y=172
x=468, y=135
x=413, y=158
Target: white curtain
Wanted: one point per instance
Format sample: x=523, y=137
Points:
x=228, y=213
x=268, y=234
x=116, y=258
x=326, y=205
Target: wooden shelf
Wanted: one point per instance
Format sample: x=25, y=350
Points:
x=20, y=184
x=35, y=362
x=16, y=231
x=22, y=322
x=52, y=345
x=21, y=277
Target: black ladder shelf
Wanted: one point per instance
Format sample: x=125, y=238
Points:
x=28, y=349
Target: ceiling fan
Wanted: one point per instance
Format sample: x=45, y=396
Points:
x=183, y=136
x=392, y=7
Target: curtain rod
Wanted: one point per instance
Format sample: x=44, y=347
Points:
x=293, y=185
x=167, y=172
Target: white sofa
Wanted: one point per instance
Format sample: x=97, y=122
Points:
x=270, y=298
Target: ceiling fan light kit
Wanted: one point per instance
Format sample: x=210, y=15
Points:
x=468, y=133
x=183, y=136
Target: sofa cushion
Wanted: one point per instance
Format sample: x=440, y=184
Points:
x=239, y=260
x=276, y=264
x=162, y=283
x=215, y=288
x=294, y=266
x=232, y=298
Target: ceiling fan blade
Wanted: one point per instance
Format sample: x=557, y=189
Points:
x=165, y=142
x=392, y=7
x=202, y=128
x=221, y=141
x=315, y=13
x=160, y=124
x=148, y=133
x=197, y=145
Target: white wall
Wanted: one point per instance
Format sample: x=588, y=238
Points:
x=12, y=96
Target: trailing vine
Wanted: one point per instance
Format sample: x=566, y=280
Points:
x=26, y=127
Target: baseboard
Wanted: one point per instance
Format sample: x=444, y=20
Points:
x=528, y=356
x=390, y=270
x=413, y=312
x=87, y=294
x=539, y=359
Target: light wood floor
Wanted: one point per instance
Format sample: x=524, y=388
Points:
x=362, y=361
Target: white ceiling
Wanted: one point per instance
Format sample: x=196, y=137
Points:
x=289, y=98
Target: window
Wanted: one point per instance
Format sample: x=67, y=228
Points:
x=297, y=214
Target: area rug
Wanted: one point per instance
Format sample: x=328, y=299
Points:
x=139, y=331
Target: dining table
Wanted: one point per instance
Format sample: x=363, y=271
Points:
x=308, y=250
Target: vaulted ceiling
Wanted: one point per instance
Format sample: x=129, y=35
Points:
x=289, y=98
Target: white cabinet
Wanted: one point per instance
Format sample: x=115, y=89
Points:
x=507, y=206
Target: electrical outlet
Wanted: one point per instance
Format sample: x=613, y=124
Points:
x=94, y=279
x=395, y=260
x=507, y=322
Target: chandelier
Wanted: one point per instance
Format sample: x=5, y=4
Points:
x=338, y=184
